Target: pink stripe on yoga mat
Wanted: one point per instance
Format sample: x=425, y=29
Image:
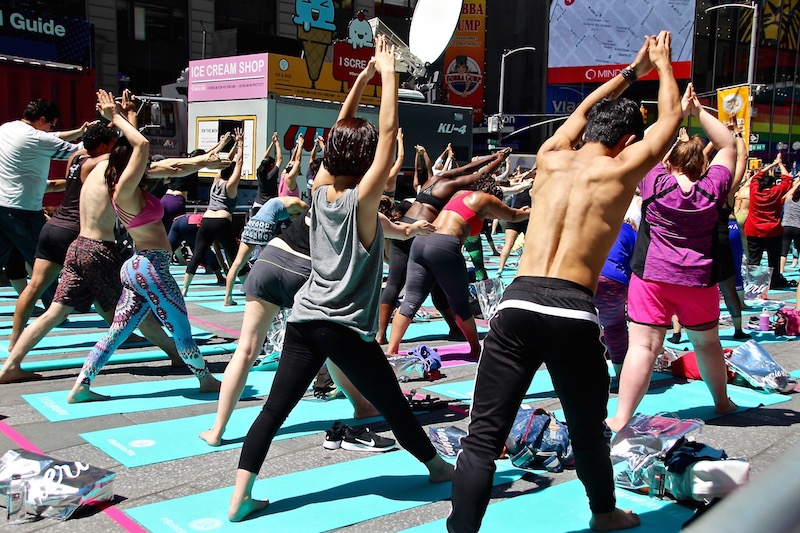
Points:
x=217, y=326
x=18, y=439
x=112, y=512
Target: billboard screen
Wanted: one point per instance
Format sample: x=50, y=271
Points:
x=591, y=41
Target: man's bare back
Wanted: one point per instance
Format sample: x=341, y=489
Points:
x=97, y=214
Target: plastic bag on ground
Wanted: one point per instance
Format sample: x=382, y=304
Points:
x=643, y=440
x=754, y=365
x=56, y=488
x=420, y=362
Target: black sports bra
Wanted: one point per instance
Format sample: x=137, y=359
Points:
x=425, y=198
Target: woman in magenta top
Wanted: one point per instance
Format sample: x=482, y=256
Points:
x=673, y=263
x=437, y=259
x=146, y=280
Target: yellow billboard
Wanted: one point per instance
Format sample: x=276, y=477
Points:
x=288, y=76
x=735, y=102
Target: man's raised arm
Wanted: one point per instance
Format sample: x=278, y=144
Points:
x=569, y=134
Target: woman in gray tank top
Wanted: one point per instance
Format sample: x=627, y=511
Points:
x=335, y=313
x=217, y=223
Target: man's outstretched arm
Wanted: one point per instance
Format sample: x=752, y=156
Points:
x=570, y=132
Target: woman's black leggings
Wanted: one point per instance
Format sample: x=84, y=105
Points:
x=213, y=229
x=437, y=259
x=306, y=345
x=398, y=267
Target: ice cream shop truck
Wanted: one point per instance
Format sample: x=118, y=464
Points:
x=266, y=93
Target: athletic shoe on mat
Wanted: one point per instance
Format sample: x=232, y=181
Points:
x=364, y=440
x=334, y=436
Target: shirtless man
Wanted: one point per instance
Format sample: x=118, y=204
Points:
x=547, y=314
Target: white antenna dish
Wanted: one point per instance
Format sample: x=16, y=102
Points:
x=432, y=28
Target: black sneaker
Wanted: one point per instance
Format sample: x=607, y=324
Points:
x=334, y=436
x=364, y=440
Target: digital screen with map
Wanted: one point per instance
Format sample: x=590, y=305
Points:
x=592, y=40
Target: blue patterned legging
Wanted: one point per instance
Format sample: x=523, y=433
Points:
x=146, y=284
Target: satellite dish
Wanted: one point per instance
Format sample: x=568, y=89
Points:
x=432, y=27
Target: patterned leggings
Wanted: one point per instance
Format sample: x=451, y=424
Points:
x=147, y=284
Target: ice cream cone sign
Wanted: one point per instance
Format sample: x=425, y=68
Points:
x=359, y=32
x=315, y=29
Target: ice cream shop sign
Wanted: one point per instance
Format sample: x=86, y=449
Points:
x=263, y=75
x=228, y=78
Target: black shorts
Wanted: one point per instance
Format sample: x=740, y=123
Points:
x=277, y=276
x=519, y=227
x=725, y=263
x=53, y=243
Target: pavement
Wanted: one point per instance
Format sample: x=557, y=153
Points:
x=760, y=435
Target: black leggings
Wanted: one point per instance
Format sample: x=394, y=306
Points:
x=790, y=235
x=213, y=229
x=519, y=340
x=306, y=345
x=436, y=259
x=755, y=249
x=398, y=268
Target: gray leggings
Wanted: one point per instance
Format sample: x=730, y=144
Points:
x=437, y=259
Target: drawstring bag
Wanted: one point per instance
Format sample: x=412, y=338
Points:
x=420, y=362
x=447, y=439
x=753, y=365
x=787, y=322
x=537, y=440
x=756, y=284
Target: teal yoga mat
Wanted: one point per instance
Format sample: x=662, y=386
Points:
x=692, y=400
x=138, y=397
x=419, y=331
x=144, y=444
x=314, y=500
x=541, y=386
x=83, y=342
x=216, y=304
x=565, y=508
x=727, y=340
x=73, y=323
x=122, y=357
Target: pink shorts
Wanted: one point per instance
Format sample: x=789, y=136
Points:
x=653, y=303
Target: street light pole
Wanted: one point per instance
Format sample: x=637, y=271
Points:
x=503, y=57
x=751, y=63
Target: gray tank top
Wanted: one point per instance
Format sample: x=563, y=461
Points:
x=345, y=282
x=218, y=199
x=791, y=213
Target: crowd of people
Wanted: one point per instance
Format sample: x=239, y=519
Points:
x=624, y=230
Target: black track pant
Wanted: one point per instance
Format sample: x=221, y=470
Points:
x=398, y=267
x=539, y=320
x=214, y=229
x=755, y=249
x=305, y=348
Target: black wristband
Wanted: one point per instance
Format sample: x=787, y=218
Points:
x=629, y=75
x=739, y=134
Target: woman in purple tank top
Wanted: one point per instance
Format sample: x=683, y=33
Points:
x=673, y=262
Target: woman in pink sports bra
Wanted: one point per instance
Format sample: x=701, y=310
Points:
x=146, y=280
x=288, y=183
x=437, y=258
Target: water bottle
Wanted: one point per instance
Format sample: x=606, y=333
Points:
x=794, y=169
x=17, y=493
x=763, y=320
